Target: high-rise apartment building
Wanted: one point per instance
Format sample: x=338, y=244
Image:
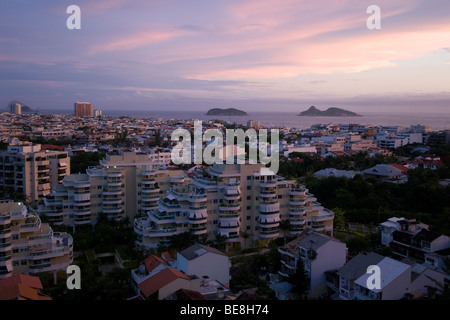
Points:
x=27, y=169
x=242, y=202
x=29, y=246
x=125, y=184
x=84, y=109
x=15, y=108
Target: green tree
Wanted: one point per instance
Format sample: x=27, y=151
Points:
x=339, y=218
x=300, y=279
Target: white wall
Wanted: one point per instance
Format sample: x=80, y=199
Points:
x=330, y=256
x=419, y=284
x=398, y=287
x=215, y=266
x=442, y=242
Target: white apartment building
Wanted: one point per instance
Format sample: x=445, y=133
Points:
x=29, y=246
x=27, y=169
x=125, y=184
x=243, y=203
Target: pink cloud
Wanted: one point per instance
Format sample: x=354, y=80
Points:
x=47, y=83
x=136, y=40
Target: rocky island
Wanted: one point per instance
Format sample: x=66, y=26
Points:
x=330, y=112
x=226, y=112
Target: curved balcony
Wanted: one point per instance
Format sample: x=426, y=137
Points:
x=5, y=219
x=150, y=190
x=230, y=207
x=267, y=194
x=198, y=216
x=294, y=221
x=268, y=184
x=82, y=196
x=114, y=174
x=198, y=230
x=107, y=201
x=269, y=233
x=267, y=208
x=112, y=193
x=298, y=192
x=232, y=197
x=5, y=233
x=148, y=182
x=6, y=246
x=269, y=218
x=83, y=221
x=295, y=211
x=297, y=202
x=161, y=217
x=112, y=210
x=169, y=207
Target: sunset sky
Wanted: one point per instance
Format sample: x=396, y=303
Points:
x=256, y=55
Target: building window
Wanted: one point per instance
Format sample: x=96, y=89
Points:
x=23, y=262
x=249, y=197
x=15, y=237
x=248, y=217
x=247, y=228
x=249, y=187
x=249, y=207
x=249, y=178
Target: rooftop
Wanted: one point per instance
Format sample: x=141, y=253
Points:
x=198, y=250
x=390, y=269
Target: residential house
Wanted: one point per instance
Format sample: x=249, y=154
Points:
x=395, y=282
x=201, y=260
x=22, y=287
x=319, y=253
x=409, y=238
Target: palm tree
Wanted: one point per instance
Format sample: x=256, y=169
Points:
x=245, y=235
x=220, y=240
x=285, y=226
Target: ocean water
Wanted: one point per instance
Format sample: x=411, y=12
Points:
x=436, y=121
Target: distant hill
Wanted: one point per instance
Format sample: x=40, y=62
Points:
x=330, y=112
x=226, y=112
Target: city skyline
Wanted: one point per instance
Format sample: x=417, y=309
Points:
x=252, y=55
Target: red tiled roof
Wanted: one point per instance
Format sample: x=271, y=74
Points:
x=160, y=280
x=52, y=147
x=21, y=287
x=166, y=256
x=151, y=262
x=399, y=166
x=29, y=281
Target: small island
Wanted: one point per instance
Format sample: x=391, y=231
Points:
x=226, y=112
x=330, y=112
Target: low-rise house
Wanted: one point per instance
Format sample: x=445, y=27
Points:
x=22, y=287
x=395, y=281
x=201, y=260
x=318, y=253
x=332, y=172
x=352, y=270
x=386, y=172
x=166, y=282
x=409, y=238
